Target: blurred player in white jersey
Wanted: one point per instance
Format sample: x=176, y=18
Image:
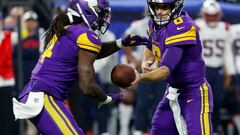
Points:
x=217, y=52
x=235, y=38
x=235, y=35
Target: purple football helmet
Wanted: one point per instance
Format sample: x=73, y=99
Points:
x=95, y=13
x=176, y=8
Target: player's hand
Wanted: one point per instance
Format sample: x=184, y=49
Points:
x=147, y=66
x=114, y=98
x=137, y=79
x=134, y=40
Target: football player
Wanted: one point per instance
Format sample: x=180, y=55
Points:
x=217, y=52
x=71, y=47
x=235, y=38
x=187, y=105
x=147, y=94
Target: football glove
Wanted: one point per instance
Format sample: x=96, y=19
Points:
x=132, y=40
x=111, y=98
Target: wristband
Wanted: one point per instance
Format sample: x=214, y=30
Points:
x=119, y=43
x=108, y=100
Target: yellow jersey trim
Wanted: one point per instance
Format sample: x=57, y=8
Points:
x=201, y=113
x=48, y=52
x=56, y=117
x=205, y=110
x=64, y=116
x=90, y=48
x=65, y=27
x=189, y=35
x=84, y=42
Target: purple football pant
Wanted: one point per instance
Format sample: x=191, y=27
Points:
x=196, y=108
x=55, y=118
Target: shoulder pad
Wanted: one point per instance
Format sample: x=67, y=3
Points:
x=85, y=38
x=181, y=31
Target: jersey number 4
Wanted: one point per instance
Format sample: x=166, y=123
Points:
x=48, y=52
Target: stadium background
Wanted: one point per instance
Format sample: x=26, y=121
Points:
x=123, y=11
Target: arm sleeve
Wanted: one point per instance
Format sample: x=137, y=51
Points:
x=171, y=57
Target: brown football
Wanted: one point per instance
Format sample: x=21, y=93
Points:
x=123, y=75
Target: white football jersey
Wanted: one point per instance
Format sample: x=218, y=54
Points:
x=217, y=48
x=104, y=66
x=235, y=36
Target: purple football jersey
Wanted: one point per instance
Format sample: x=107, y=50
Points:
x=180, y=32
x=56, y=70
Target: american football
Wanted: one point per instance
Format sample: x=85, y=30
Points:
x=123, y=75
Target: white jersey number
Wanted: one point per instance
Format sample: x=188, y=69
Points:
x=213, y=48
x=236, y=46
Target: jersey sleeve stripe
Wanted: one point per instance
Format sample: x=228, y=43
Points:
x=90, y=48
x=84, y=40
x=180, y=40
x=190, y=33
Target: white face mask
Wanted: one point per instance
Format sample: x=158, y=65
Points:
x=212, y=24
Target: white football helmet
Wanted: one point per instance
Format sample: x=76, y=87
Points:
x=211, y=12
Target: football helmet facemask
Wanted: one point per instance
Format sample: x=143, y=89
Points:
x=175, y=5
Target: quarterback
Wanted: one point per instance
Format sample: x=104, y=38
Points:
x=176, y=49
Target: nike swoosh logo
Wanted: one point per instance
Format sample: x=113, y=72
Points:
x=179, y=28
x=96, y=37
x=189, y=100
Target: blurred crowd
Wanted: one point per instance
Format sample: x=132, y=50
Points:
x=21, y=42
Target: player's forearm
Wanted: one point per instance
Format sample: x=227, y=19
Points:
x=88, y=85
x=94, y=91
x=147, y=55
x=159, y=74
x=107, y=49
